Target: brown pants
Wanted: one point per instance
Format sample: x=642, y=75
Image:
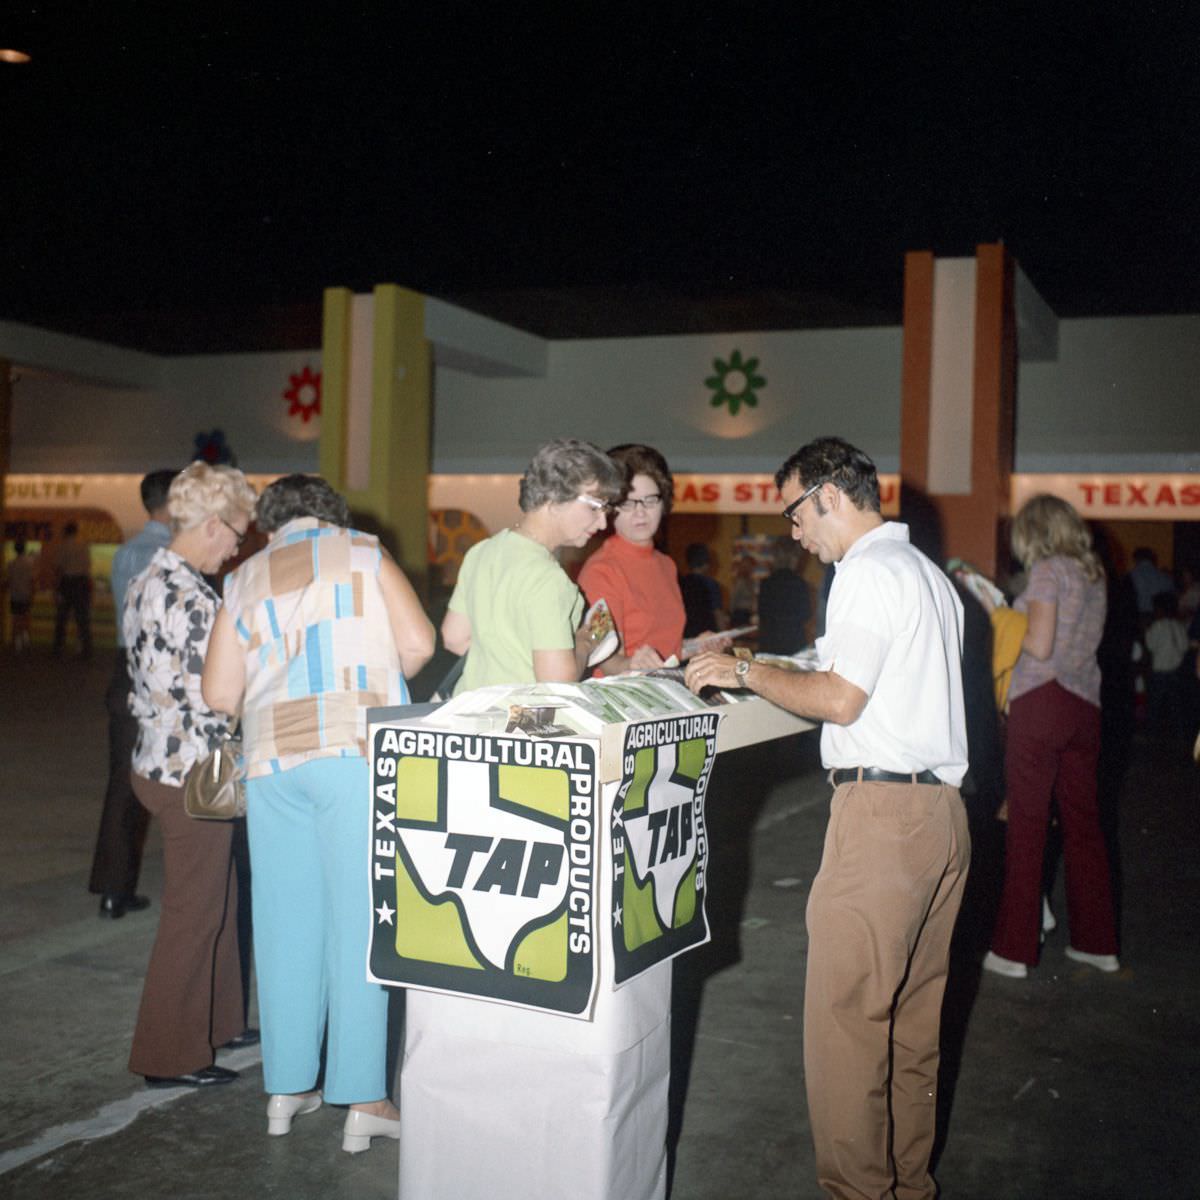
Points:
x=881, y=912
x=192, y=997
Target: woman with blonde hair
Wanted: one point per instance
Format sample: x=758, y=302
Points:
x=1053, y=743
x=192, y=997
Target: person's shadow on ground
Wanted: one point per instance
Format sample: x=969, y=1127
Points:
x=738, y=790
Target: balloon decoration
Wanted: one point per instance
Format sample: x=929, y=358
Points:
x=211, y=447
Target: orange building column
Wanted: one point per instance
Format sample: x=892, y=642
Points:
x=958, y=392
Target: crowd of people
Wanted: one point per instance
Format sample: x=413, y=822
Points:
x=320, y=624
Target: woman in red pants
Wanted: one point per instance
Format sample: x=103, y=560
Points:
x=1054, y=744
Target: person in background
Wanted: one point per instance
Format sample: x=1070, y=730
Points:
x=882, y=908
x=1148, y=580
x=514, y=613
x=784, y=604
x=639, y=583
x=117, y=860
x=316, y=628
x=1189, y=593
x=1053, y=744
x=743, y=595
x=19, y=582
x=701, y=593
x=192, y=998
x=73, y=590
x=1166, y=687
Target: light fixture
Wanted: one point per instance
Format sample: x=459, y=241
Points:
x=14, y=56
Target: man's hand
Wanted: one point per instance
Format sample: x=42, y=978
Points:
x=820, y=695
x=712, y=670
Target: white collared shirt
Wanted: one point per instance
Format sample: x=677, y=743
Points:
x=894, y=629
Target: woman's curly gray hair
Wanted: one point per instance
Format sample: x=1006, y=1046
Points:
x=561, y=469
x=300, y=496
x=202, y=490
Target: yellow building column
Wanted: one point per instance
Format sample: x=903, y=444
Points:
x=376, y=404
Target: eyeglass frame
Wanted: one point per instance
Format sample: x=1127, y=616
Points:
x=241, y=537
x=649, y=503
x=789, y=513
x=600, y=506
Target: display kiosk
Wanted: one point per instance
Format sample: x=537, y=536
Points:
x=538, y=855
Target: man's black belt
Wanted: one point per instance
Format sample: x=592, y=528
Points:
x=840, y=775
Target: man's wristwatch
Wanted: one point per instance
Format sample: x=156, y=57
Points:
x=741, y=668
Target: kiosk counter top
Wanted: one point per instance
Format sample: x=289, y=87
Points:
x=601, y=709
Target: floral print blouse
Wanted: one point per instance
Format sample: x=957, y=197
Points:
x=168, y=617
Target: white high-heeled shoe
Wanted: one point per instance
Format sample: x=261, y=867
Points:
x=281, y=1110
x=361, y=1127
x=1102, y=962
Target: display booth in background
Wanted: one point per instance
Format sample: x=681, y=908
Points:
x=41, y=529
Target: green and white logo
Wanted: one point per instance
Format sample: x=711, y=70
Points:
x=659, y=843
x=483, y=866
x=735, y=383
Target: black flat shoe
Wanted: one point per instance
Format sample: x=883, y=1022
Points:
x=248, y=1037
x=205, y=1077
x=117, y=906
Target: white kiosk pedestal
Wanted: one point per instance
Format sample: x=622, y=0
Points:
x=500, y=1102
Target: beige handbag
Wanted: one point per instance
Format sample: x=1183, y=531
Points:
x=216, y=786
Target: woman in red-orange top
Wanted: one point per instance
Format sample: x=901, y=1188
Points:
x=640, y=584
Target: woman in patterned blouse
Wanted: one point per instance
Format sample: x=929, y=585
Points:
x=192, y=997
x=317, y=627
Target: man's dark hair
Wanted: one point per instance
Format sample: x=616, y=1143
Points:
x=834, y=460
x=155, y=487
x=697, y=556
x=300, y=496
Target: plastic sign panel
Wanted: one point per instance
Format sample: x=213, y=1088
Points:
x=483, y=866
x=659, y=846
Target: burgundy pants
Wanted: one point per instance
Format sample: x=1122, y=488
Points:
x=192, y=997
x=1052, y=751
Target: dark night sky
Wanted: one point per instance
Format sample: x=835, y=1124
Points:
x=163, y=157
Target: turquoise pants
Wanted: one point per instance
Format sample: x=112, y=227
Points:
x=309, y=833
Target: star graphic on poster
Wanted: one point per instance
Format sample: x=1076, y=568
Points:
x=616, y=916
x=385, y=914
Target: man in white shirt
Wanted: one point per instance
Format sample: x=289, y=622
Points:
x=117, y=861
x=882, y=907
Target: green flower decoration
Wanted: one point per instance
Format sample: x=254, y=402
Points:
x=735, y=382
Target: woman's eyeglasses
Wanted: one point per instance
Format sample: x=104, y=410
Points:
x=591, y=501
x=632, y=503
x=241, y=537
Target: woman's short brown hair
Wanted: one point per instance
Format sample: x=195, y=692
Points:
x=638, y=459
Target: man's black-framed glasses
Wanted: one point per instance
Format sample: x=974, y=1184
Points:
x=791, y=510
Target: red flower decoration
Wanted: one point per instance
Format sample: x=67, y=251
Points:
x=304, y=394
